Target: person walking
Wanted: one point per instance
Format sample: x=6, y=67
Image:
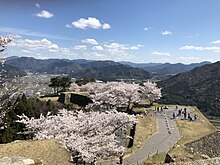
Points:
x=95, y=161
x=174, y=115
x=184, y=115
x=121, y=158
x=195, y=117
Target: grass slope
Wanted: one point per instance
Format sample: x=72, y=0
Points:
x=146, y=127
x=190, y=131
x=49, y=152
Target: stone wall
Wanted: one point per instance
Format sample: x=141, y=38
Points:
x=213, y=161
x=208, y=145
x=75, y=98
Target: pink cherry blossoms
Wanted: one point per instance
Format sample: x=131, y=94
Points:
x=111, y=95
x=85, y=135
x=3, y=42
x=100, y=132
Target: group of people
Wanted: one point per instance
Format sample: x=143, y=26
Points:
x=186, y=114
x=160, y=109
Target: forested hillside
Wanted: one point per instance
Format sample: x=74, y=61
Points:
x=103, y=70
x=198, y=87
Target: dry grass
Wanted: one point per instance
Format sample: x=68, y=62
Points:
x=191, y=131
x=147, y=126
x=49, y=98
x=77, y=93
x=154, y=160
x=59, y=104
x=49, y=152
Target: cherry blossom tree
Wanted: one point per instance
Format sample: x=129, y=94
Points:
x=4, y=41
x=74, y=87
x=111, y=95
x=85, y=135
x=150, y=91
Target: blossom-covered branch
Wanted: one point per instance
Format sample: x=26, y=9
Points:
x=150, y=91
x=3, y=42
x=85, y=135
x=111, y=95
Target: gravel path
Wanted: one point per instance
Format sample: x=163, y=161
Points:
x=166, y=136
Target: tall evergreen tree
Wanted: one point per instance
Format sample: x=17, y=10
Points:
x=31, y=107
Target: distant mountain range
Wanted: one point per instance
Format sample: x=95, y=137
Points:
x=64, y=65
x=9, y=71
x=200, y=87
x=140, y=65
x=103, y=70
x=166, y=68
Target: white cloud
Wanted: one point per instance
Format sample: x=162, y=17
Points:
x=191, y=47
x=87, y=23
x=216, y=42
x=138, y=46
x=109, y=51
x=34, y=46
x=44, y=14
x=217, y=51
x=97, y=48
x=90, y=22
x=53, y=50
x=148, y=28
x=97, y=55
x=161, y=53
x=37, y=5
x=68, y=26
x=106, y=26
x=164, y=33
x=116, y=47
x=80, y=47
x=90, y=41
x=189, y=58
x=45, y=48
x=27, y=51
x=119, y=48
x=53, y=46
x=44, y=41
x=134, y=47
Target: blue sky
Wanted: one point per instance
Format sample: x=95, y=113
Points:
x=173, y=31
